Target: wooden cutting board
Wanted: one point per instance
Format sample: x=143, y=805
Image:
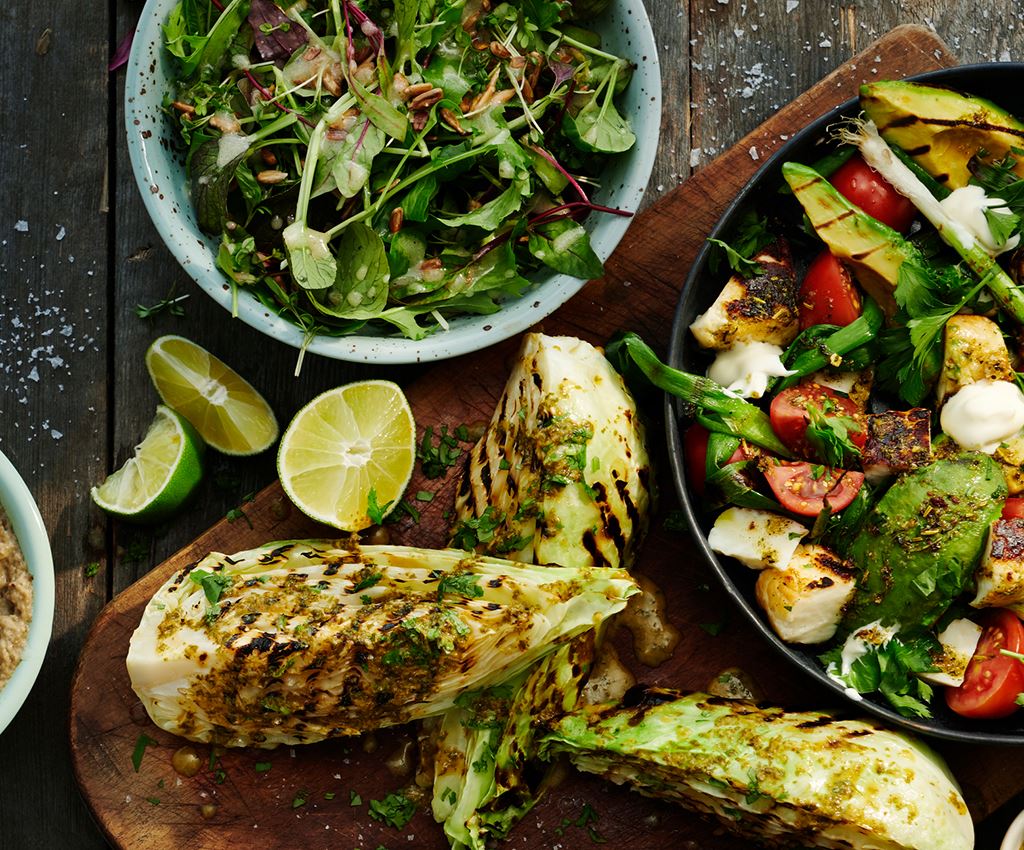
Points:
x=305, y=797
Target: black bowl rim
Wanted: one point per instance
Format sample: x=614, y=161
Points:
x=673, y=437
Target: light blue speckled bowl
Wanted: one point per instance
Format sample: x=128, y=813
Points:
x=160, y=174
x=35, y=546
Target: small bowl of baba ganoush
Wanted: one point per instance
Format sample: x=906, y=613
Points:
x=26, y=591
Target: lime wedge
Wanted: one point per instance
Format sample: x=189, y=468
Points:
x=343, y=444
x=224, y=408
x=166, y=468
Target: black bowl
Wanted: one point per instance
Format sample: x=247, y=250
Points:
x=993, y=81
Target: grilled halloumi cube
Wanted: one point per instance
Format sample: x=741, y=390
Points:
x=804, y=600
x=762, y=308
x=974, y=351
x=1010, y=456
x=897, y=441
x=856, y=386
x=1000, y=575
x=757, y=539
x=958, y=640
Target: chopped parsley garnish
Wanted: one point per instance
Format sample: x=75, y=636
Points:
x=469, y=533
x=376, y=512
x=329, y=795
x=829, y=435
x=141, y=743
x=436, y=460
x=751, y=235
x=714, y=629
x=461, y=584
x=369, y=581
x=92, y=568
x=395, y=810
x=238, y=513
x=354, y=799
x=299, y=799
x=213, y=584
x=262, y=766
x=424, y=496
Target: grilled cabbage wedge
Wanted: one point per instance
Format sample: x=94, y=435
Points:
x=480, y=748
x=789, y=778
x=562, y=474
x=304, y=640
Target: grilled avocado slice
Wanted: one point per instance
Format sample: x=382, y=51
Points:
x=874, y=251
x=941, y=129
x=919, y=546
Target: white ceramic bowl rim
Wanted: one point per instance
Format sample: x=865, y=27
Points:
x=35, y=546
x=628, y=32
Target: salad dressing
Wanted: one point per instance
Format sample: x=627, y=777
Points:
x=746, y=368
x=983, y=415
x=609, y=678
x=654, y=637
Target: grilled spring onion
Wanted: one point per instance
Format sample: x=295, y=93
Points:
x=723, y=411
x=304, y=640
x=789, y=778
x=877, y=154
x=561, y=475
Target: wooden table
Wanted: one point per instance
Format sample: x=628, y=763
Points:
x=78, y=254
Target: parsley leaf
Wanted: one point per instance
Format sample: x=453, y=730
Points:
x=829, y=436
x=461, y=584
x=436, y=460
x=374, y=511
x=141, y=743
x=213, y=584
x=395, y=810
x=750, y=236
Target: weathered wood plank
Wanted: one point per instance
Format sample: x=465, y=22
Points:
x=53, y=365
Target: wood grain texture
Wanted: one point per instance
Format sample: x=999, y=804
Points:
x=643, y=280
x=53, y=356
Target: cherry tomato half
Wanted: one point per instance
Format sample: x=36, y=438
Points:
x=993, y=680
x=789, y=416
x=802, y=488
x=1014, y=508
x=860, y=184
x=827, y=294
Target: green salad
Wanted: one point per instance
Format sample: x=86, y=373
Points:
x=394, y=163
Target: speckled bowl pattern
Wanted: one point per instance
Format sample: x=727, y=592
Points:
x=160, y=173
x=28, y=528
x=994, y=81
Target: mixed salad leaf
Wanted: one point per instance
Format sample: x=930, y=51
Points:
x=394, y=163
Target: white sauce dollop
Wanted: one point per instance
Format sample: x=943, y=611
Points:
x=746, y=367
x=967, y=206
x=983, y=415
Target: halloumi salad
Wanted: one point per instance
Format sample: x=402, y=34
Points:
x=860, y=428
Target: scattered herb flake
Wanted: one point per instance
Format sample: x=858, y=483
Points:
x=299, y=799
x=395, y=810
x=354, y=799
x=141, y=743
x=92, y=568
x=262, y=766
x=375, y=511
x=424, y=496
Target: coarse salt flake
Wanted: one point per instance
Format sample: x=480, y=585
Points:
x=21, y=226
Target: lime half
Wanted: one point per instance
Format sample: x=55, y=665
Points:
x=166, y=468
x=343, y=444
x=224, y=408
